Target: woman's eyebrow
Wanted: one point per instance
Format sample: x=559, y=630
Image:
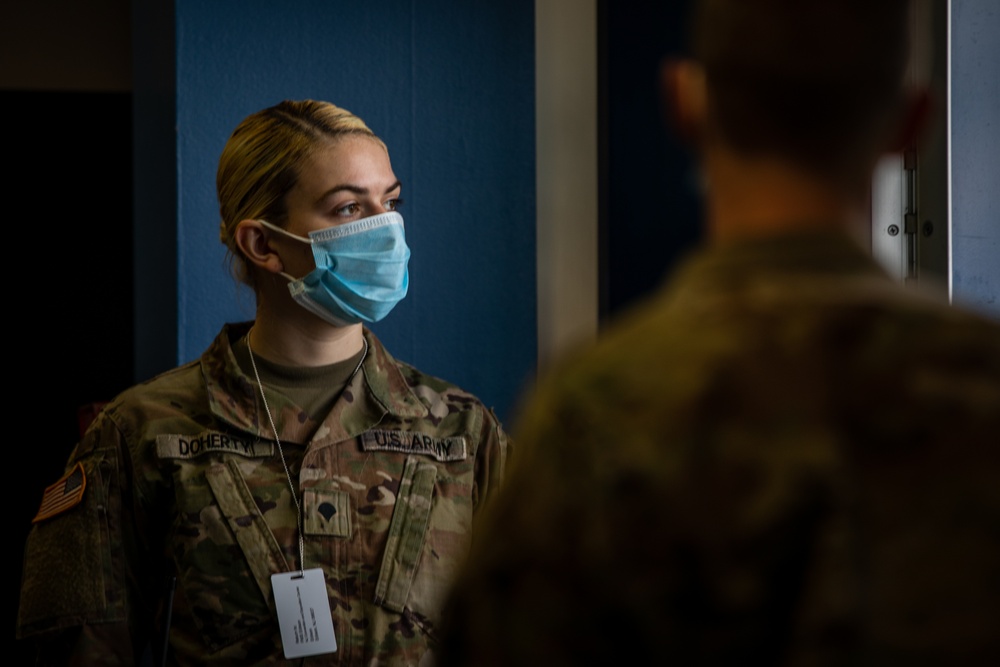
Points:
x=356, y=189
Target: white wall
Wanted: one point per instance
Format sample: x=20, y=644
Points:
x=975, y=154
x=566, y=173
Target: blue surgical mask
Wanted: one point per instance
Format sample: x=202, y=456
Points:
x=360, y=272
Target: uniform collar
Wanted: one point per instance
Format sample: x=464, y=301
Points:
x=811, y=266
x=379, y=389
x=809, y=251
x=383, y=379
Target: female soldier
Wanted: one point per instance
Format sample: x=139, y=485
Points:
x=296, y=491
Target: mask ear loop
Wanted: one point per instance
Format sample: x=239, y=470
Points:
x=278, y=229
x=302, y=239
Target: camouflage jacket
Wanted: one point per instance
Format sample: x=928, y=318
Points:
x=781, y=458
x=184, y=479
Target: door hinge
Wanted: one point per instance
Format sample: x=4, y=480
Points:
x=910, y=236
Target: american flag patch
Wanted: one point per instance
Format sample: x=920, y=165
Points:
x=62, y=495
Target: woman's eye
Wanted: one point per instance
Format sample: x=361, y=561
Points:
x=349, y=209
x=393, y=204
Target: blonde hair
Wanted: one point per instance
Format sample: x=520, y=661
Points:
x=261, y=161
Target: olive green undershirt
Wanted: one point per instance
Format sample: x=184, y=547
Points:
x=312, y=388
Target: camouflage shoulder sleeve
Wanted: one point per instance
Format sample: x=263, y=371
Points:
x=74, y=592
x=492, y=457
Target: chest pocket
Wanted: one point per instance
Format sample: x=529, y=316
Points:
x=407, y=533
x=247, y=523
x=225, y=556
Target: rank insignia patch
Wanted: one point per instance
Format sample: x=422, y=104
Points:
x=62, y=495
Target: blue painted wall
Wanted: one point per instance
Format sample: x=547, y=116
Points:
x=449, y=86
x=975, y=154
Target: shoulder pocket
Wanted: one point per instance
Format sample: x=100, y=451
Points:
x=73, y=560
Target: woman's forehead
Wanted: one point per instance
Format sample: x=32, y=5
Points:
x=357, y=162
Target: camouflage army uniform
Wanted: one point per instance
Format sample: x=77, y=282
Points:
x=782, y=458
x=184, y=477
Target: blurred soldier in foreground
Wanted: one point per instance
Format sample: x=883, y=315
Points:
x=783, y=457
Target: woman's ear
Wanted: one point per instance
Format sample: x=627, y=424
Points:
x=685, y=99
x=253, y=240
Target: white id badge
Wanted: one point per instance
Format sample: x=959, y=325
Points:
x=303, y=613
